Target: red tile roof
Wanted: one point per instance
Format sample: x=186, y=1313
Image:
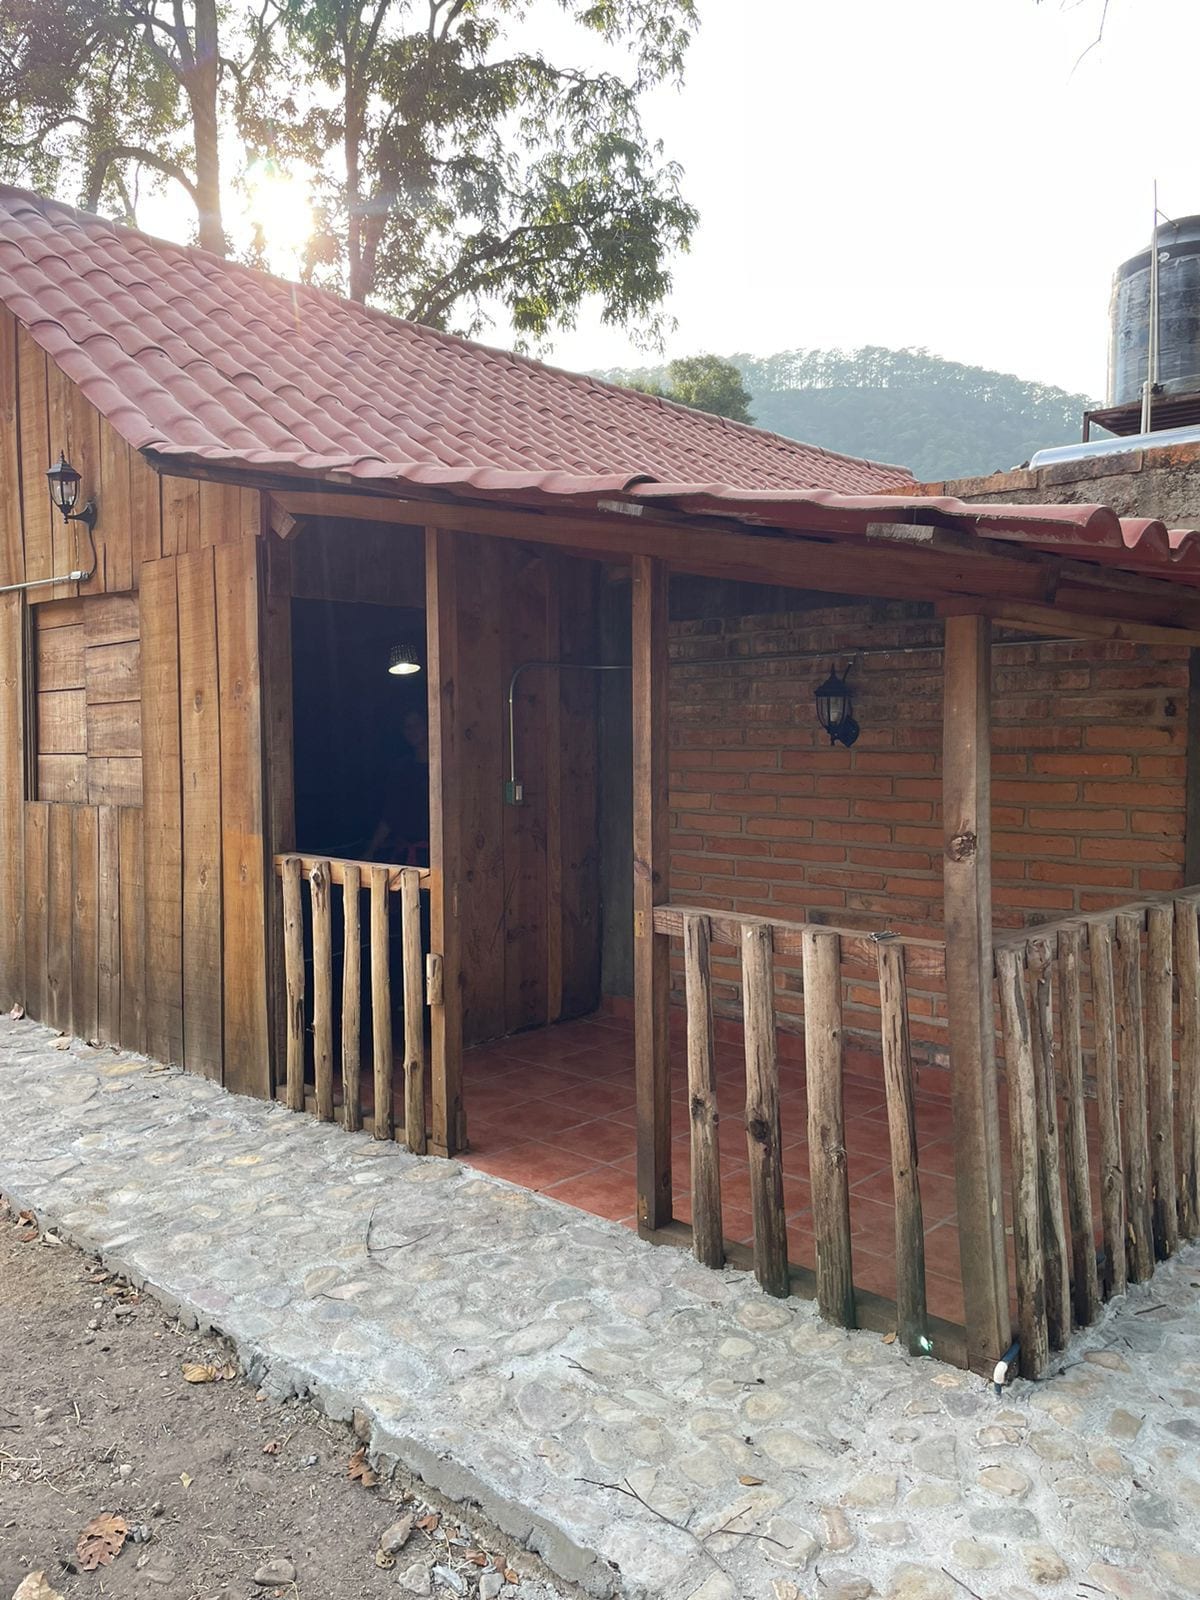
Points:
x=189, y=355
x=195, y=358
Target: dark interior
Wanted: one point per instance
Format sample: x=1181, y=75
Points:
x=354, y=764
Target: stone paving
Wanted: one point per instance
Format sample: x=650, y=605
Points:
x=649, y=1427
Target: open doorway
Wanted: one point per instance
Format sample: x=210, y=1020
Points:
x=361, y=731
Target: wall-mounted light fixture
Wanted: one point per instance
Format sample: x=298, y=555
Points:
x=835, y=709
x=64, y=484
x=403, y=661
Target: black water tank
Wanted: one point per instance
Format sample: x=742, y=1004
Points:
x=1178, y=316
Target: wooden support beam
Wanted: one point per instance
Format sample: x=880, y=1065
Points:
x=707, y=547
x=322, y=931
x=449, y=1133
x=293, y=947
x=651, y=886
x=1060, y=623
x=967, y=898
x=414, y=1016
x=381, y=1005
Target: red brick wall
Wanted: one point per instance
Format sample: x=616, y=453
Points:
x=767, y=819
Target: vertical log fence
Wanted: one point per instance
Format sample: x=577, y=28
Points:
x=828, y=957
x=1101, y=1011
x=380, y=882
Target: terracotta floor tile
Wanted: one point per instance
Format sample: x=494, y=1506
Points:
x=601, y=1139
x=530, y=1163
x=604, y=1192
x=603, y=1099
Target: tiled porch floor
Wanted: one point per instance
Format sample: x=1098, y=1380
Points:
x=553, y=1111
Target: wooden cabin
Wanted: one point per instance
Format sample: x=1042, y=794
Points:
x=942, y=937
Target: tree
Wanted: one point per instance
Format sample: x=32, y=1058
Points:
x=457, y=173
x=98, y=91
x=710, y=383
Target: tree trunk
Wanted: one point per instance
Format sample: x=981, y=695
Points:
x=200, y=85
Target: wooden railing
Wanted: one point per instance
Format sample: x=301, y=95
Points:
x=828, y=955
x=1106, y=1008
x=380, y=881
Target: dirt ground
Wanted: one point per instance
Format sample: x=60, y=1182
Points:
x=212, y=1480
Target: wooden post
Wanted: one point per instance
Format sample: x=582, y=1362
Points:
x=651, y=950
x=1160, y=1063
x=1131, y=1067
x=827, y=1125
x=445, y=840
x=1084, y=1283
x=381, y=1003
x=1108, y=1106
x=911, y=1313
x=967, y=898
x=414, y=1013
x=322, y=989
x=1054, y=1236
x=1187, y=961
x=293, y=953
x=763, y=1132
x=708, y=1239
x=1023, y=1130
x=351, y=998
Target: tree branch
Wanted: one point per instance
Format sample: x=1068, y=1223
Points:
x=145, y=158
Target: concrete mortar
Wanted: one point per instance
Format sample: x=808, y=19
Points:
x=649, y=1428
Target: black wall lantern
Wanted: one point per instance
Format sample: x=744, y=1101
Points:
x=835, y=709
x=64, y=484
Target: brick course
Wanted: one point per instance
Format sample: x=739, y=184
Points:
x=1088, y=778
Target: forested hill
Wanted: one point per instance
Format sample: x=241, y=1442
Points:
x=942, y=419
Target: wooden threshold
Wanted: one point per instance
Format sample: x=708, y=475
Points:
x=875, y=1314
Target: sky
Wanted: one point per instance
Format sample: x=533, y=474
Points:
x=962, y=175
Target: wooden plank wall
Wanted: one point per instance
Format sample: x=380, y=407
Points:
x=105, y=904
x=529, y=917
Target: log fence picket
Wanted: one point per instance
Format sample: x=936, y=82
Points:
x=1114, y=999
x=380, y=882
x=828, y=957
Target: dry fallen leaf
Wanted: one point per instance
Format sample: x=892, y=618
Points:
x=382, y=1559
x=475, y=1557
x=890, y=1338
x=62, y=1044
x=272, y=1447
x=749, y=1481
x=207, y=1372
x=33, y=1586
x=100, y=1542
x=185, y=1479
x=359, y=1469
x=510, y=1576
x=17, y=1012
x=429, y=1523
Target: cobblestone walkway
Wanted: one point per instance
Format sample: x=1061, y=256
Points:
x=568, y=1378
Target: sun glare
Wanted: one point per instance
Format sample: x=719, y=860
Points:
x=278, y=203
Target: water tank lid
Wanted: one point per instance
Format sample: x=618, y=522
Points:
x=1181, y=237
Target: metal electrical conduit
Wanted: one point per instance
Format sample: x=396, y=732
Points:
x=513, y=791
x=68, y=577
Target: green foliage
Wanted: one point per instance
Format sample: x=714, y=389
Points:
x=710, y=383
x=457, y=174
x=940, y=418
x=454, y=175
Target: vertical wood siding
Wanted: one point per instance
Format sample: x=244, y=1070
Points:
x=139, y=924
